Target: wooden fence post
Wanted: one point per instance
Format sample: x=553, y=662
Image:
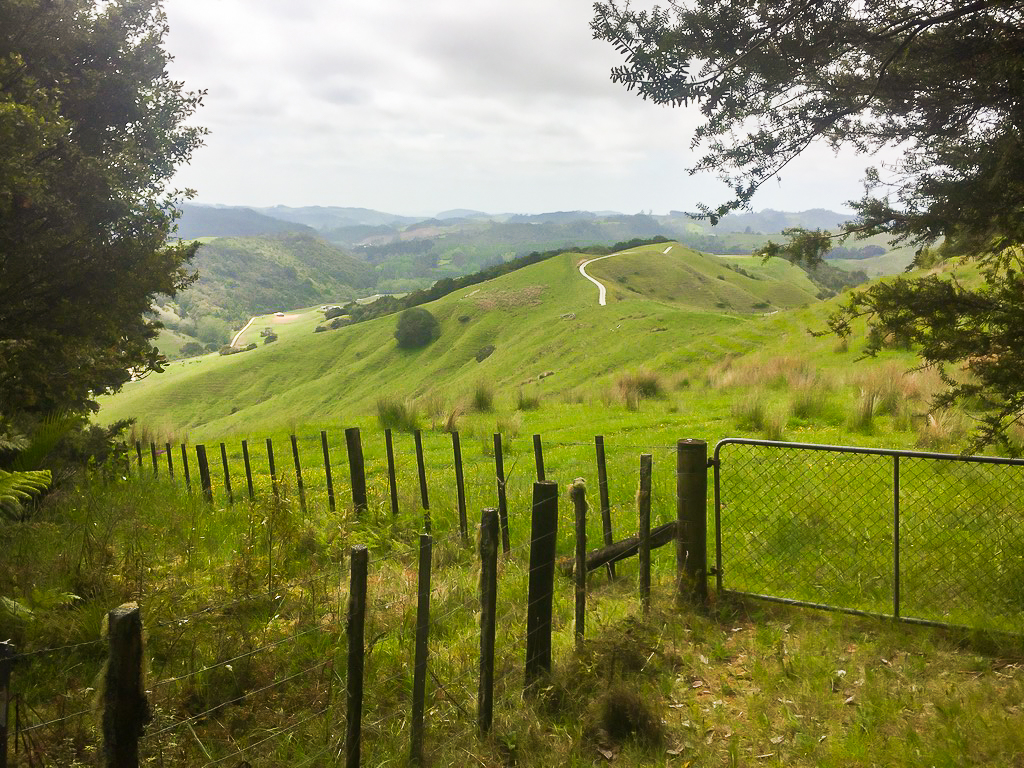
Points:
x=419, y=682
x=184, y=467
x=543, y=540
x=421, y=466
x=692, y=521
x=125, y=707
x=331, y=503
x=389, y=447
x=273, y=470
x=156, y=463
x=248, y=470
x=606, y=509
x=643, y=502
x=170, y=461
x=227, y=474
x=499, y=470
x=356, y=651
x=138, y=452
x=204, y=474
x=538, y=457
x=578, y=495
x=489, y=534
x=460, y=486
x=298, y=476
x=356, y=469
x=6, y=665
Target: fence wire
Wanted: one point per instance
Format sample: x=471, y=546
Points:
x=922, y=537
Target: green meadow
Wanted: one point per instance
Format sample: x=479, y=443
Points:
x=244, y=600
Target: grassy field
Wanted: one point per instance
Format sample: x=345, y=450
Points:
x=244, y=602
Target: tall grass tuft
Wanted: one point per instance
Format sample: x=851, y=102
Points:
x=527, y=400
x=483, y=396
x=395, y=413
x=808, y=396
x=750, y=411
x=941, y=430
x=862, y=417
x=637, y=386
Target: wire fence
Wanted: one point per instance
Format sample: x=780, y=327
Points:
x=923, y=537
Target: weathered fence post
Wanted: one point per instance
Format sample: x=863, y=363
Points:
x=692, y=521
x=489, y=534
x=356, y=469
x=538, y=456
x=248, y=470
x=227, y=474
x=356, y=651
x=138, y=452
x=184, y=467
x=298, y=476
x=389, y=449
x=170, y=461
x=6, y=665
x=606, y=509
x=421, y=466
x=643, y=503
x=578, y=495
x=419, y=682
x=273, y=470
x=543, y=539
x=125, y=707
x=156, y=462
x=204, y=474
x=499, y=470
x=460, y=486
x=331, y=504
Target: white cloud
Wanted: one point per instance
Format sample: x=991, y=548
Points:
x=415, y=107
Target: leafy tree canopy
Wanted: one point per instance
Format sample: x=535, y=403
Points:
x=940, y=81
x=416, y=328
x=91, y=131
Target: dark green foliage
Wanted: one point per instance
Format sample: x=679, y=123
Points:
x=192, y=349
x=484, y=352
x=91, y=130
x=332, y=312
x=416, y=328
x=939, y=82
x=270, y=338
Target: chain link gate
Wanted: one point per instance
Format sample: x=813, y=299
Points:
x=927, y=538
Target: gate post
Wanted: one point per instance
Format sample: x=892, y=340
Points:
x=692, y=521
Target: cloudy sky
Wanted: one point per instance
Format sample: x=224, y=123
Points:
x=414, y=107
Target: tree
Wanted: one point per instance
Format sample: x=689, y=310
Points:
x=938, y=81
x=91, y=130
x=416, y=328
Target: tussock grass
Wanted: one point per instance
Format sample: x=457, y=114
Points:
x=482, y=397
x=809, y=396
x=527, y=400
x=750, y=411
x=397, y=414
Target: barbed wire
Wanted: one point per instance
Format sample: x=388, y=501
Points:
x=55, y=649
x=278, y=733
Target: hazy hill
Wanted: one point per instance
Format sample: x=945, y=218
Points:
x=331, y=217
x=243, y=276
x=217, y=221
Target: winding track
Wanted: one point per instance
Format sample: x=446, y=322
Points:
x=235, y=340
x=601, y=290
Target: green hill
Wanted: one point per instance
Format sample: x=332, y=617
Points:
x=543, y=319
x=244, y=276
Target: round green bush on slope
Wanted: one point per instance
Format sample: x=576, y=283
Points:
x=416, y=328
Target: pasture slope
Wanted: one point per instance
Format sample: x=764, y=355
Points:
x=666, y=312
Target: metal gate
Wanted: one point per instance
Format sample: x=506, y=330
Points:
x=927, y=538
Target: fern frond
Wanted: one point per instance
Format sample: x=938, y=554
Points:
x=16, y=487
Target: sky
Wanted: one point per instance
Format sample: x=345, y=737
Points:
x=415, y=107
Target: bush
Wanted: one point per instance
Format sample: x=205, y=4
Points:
x=416, y=328
x=270, y=338
x=332, y=312
x=484, y=352
x=193, y=349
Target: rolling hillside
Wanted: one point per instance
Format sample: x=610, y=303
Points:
x=543, y=319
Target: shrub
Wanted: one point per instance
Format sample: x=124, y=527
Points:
x=394, y=413
x=416, y=328
x=483, y=397
x=332, y=312
x=192, y=349
x=484, y=352
x=270, y=338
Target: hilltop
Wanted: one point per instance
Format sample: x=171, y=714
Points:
x=668, y=307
